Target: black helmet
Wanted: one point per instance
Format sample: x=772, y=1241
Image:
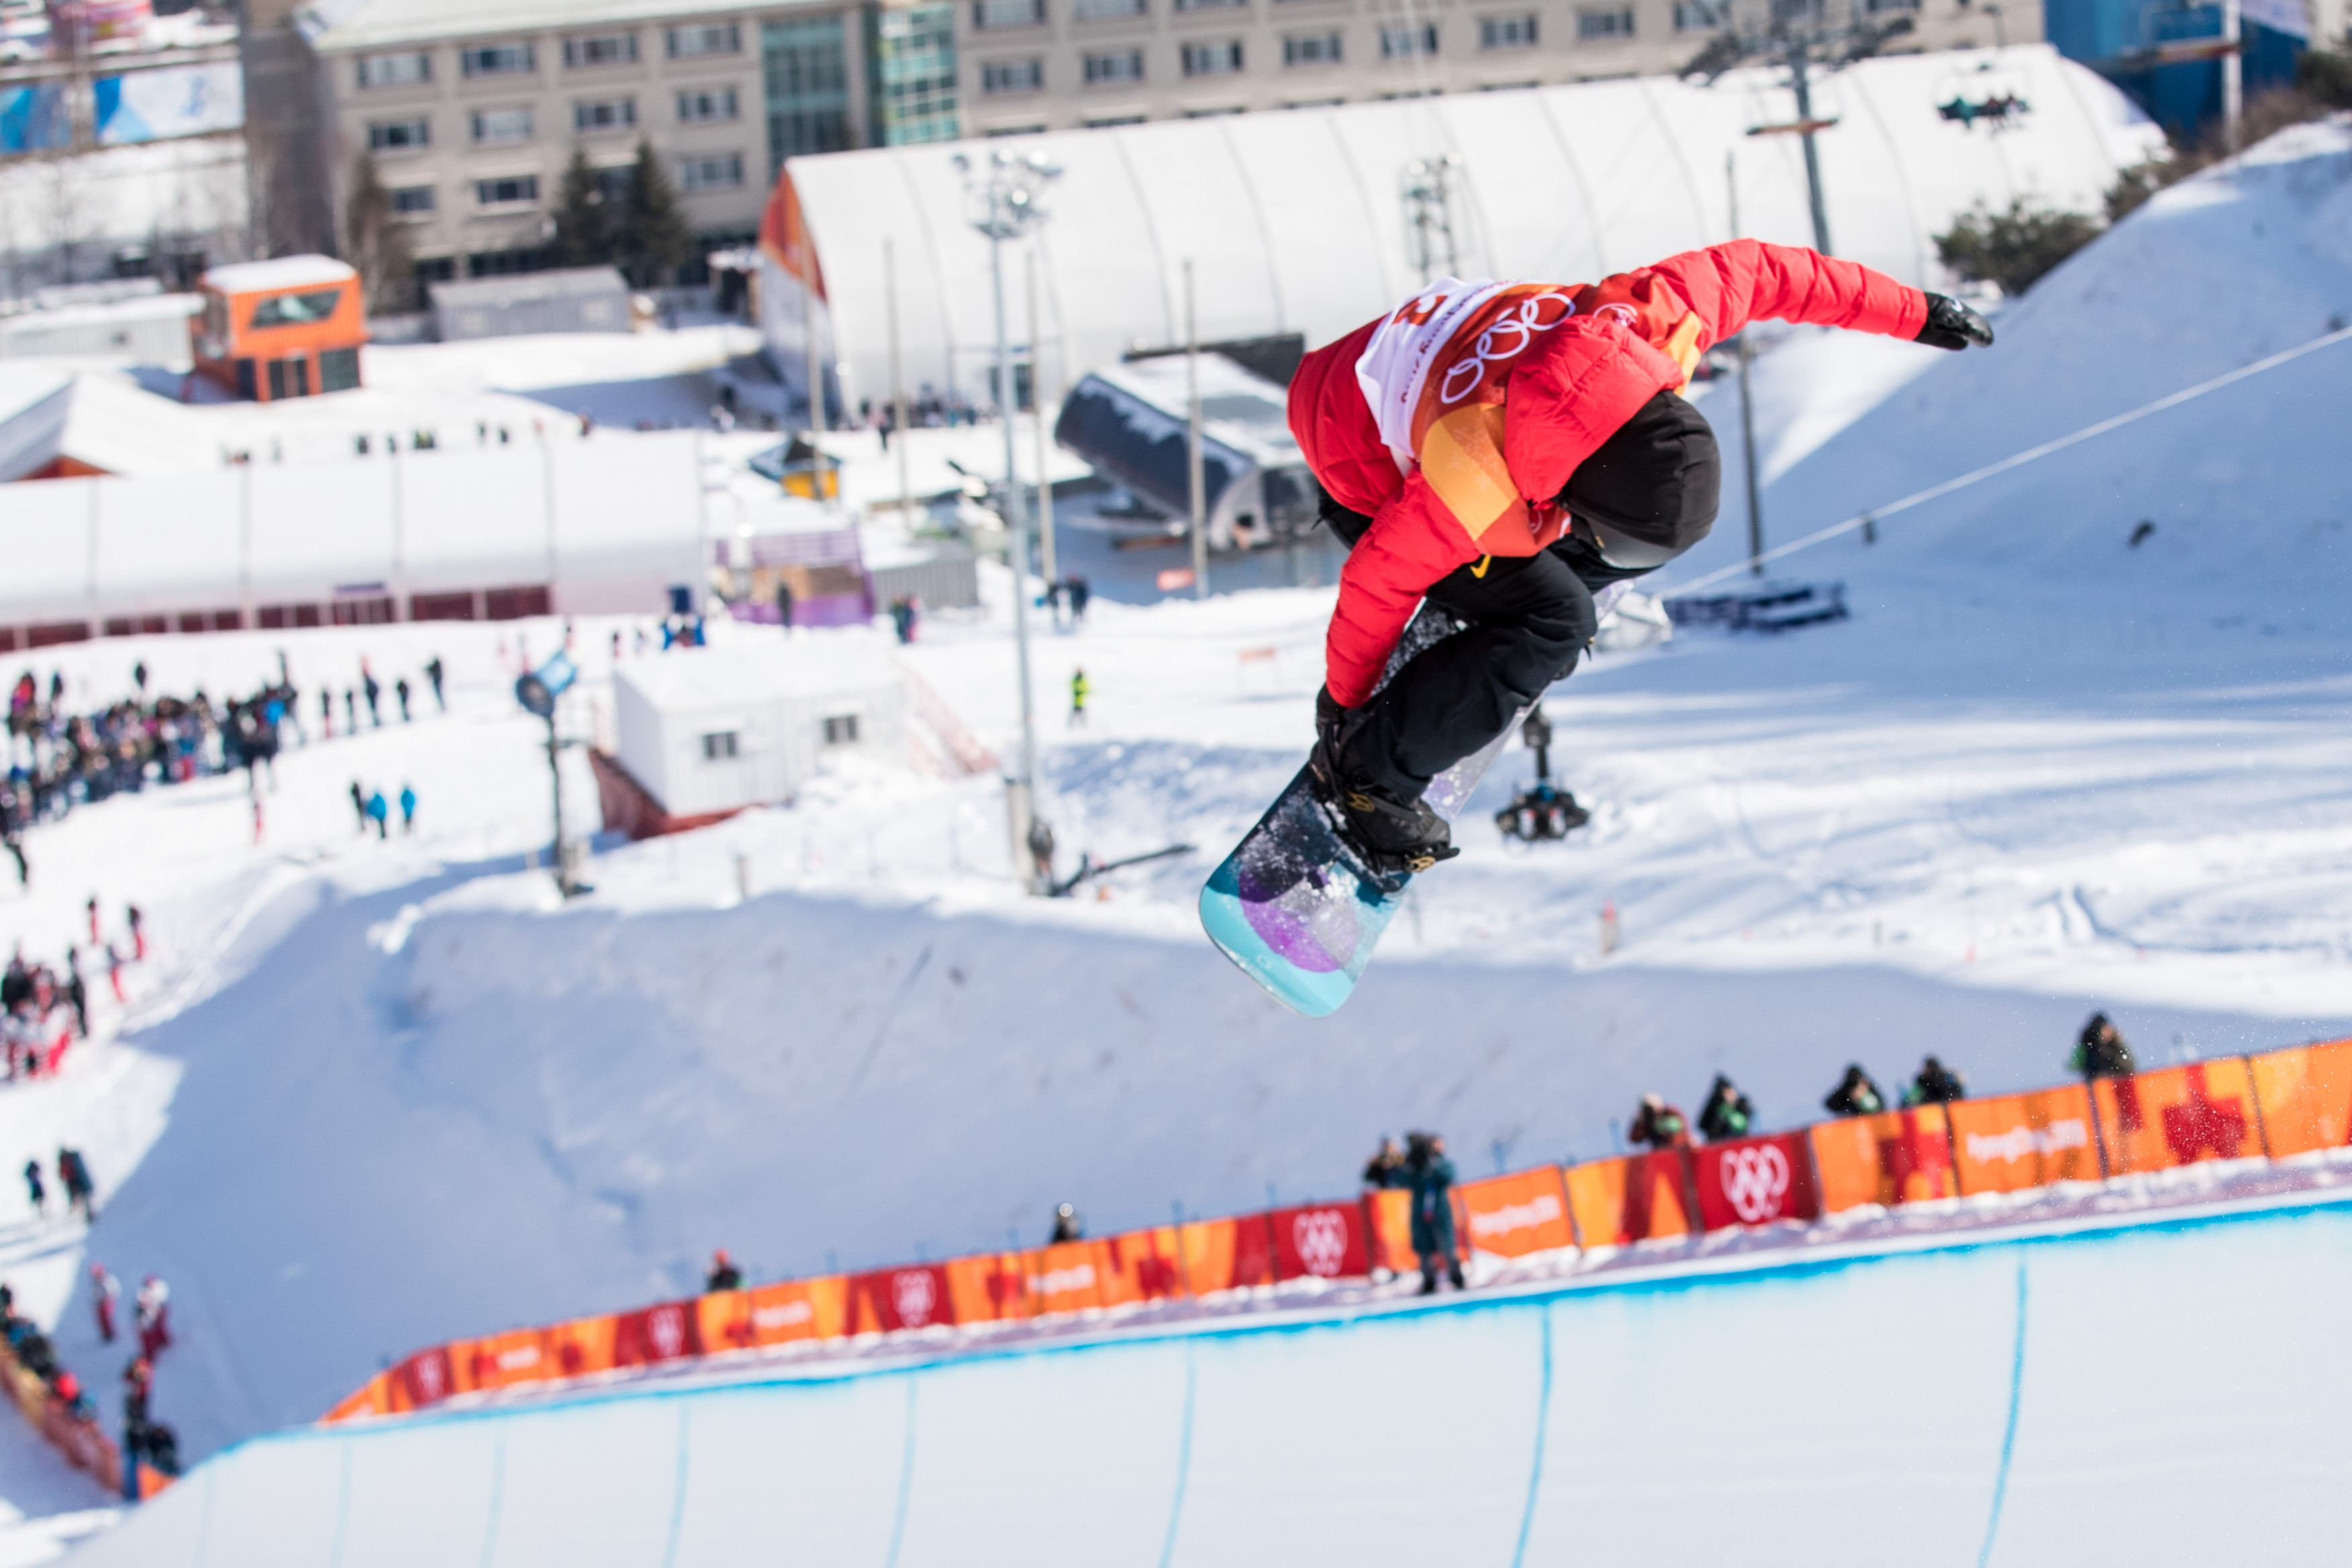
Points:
x=1649, y=492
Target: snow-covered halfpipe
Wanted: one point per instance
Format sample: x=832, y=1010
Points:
x=2169, y=1391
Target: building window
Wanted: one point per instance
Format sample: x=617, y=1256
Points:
x=1107, y=121
x=1097, y=10
x=701, y=103
x=710, y=172
x=987, y=13
x=498, y=59
x=1605, y=24
x=296, y=309
x=911, y=64
x=1312, y=49
x=609, y=50
x=1207, y=5
x=1221, y=59
x=1403, y=43
x=710, y=38
x=806, y=69
x=841, y=730
x=1507, y=32
x=394, y=70
x=493, y=125
x=724, y=746
x=400, y=135
x=1012, y=76
x=1698, y=16
x=615, y=182
x=507, y=191
x=413, y=201
x=1118, y=66
x=611, y=114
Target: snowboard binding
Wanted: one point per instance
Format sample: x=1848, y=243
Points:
x=1541, y=811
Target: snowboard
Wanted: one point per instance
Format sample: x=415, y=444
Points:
x=1296, y=909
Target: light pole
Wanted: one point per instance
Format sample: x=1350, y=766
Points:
x=1003, y=196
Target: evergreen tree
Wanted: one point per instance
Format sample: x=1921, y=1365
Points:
x=584, y=224
x=2014, y=248
x=378, y=243
x=654, y=236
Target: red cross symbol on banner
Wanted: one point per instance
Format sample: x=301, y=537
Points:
x=2200, y=1124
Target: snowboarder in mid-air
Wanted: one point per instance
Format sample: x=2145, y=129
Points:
x=1515, y=453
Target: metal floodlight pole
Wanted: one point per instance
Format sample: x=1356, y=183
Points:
x=1800, y=58
x=2233, y=76
x=898, y=382
x=555, y=770
x=1196, y=480
x=1747, y=401
x=1005, y=197
x=1051, y=566
x=816, y=369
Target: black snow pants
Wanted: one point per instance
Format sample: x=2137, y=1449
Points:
x=1529, y=616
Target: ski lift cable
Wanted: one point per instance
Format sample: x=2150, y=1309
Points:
x=2015, y=461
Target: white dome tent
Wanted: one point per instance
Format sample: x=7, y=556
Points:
x=1295, y=221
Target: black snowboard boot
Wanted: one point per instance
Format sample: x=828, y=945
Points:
x=1392, y=836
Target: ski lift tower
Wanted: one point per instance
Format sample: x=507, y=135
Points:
x=1797, y=39
x=1004, y=196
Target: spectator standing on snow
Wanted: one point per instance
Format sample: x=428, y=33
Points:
x=380, y=813
x=38, y=1193
x=74, y=1172
x=1431, y=1177
x=1855, y=1095
x=105, y=1293
x=433, y=674
x=1080, y=688
x=92, y=907
x=327, y=712
x=114, y=974
x=351, y=711
x=138, y=1379
x=14, y=842
x=400, y=692
x=783, y=606
x=408, y=808
x=374, y=691
x=154, y=1317
x=76, y=994
x=1727, y=1113
x=138, y=931
x=1386, y=1168
x=1658, y=1125
x=724, y=1275
x=1936, y=1085
x=358, y=805
x=1067, y=1225
x=2100, y=1050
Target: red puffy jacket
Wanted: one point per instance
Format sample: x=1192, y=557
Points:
x=1454, y=420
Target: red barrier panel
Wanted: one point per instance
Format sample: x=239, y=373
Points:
x=1390, y=1209
x=988, y=1287
x=2022, y=1140
x=2178, y=1116
x=1140, y=1266
x=651, y=1335
x=1639, y=1197
x=1228, y=1254
x=423, y=1380
x=2306, y=1096
x=1897, y=1157
x=1513, y=1216
x=1755, y=1181
x=1321, y=1241
x=914, y=1296
x=1064, y=1278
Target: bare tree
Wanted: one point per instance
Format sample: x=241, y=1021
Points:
x=375, y=242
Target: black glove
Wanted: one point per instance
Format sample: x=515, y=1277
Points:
x=1952, y=325
x=1328, y=715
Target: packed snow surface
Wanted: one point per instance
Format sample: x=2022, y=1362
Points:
x=371, y=1096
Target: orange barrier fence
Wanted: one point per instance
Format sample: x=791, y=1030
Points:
x=1514, y=1216
x=2282, y=1103
x=2021, y=1140
x=1896, y=1157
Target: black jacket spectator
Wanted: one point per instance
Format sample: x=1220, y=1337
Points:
x=1936, y=1085
x=2100, y=1050
x=1067, y=1225
x=1658, y=1125
x=724, y=1275
x=1386, y=1169
x=1855, y=1095
x=1727, y=1113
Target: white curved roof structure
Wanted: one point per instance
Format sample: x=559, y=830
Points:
x=1295, y=221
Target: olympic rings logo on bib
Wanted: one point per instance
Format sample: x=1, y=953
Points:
x=1506, y=338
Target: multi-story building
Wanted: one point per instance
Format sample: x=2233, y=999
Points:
x=471, y=115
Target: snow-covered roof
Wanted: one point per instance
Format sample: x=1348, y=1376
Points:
x=280, y=272
x=375, y=23
x=565, y=283
x=1245, y=412
x=1292, y=221
x=770, y=669
x=33, y=404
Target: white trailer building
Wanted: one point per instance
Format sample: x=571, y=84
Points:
x=708, y=730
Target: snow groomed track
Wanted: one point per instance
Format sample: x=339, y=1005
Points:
x=2171, y=1391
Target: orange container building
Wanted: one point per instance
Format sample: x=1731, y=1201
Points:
x=284, y=328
